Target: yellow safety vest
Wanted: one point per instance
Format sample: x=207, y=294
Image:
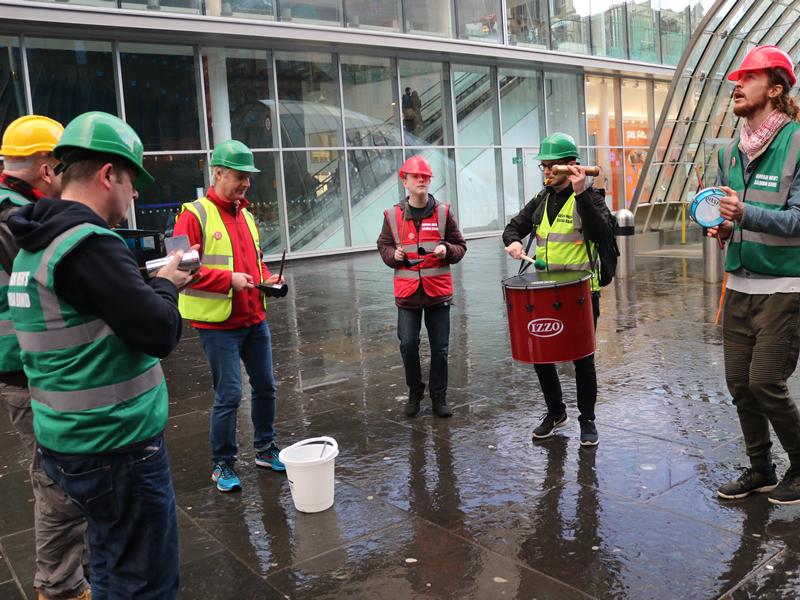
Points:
x=201, y=305
x=561, y=245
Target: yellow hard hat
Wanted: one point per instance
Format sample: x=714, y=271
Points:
x=31, y=134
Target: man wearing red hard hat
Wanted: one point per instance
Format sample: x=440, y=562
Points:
x=758, y=171
x=420, y=239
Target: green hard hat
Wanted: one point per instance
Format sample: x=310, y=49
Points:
x=101, y=132
x=234, y=155
x=557, y=146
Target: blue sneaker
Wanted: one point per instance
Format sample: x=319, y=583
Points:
x=226, y=478
x=268, y=457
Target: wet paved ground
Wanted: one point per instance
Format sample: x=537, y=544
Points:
x=483, y=512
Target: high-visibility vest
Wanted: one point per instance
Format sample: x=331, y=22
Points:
x=9, y=348
x=768, y=189
x=90, y=392
x=213, y=307
x=561, y=245
x=433, y=273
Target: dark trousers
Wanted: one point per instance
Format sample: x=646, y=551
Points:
x=226, y=350
x=129, y=504
x=585, y=380
x=437, y=322
x=761, y=340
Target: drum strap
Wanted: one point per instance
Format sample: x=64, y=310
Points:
x=538, y=212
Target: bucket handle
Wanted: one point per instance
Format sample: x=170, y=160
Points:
x=326, y=441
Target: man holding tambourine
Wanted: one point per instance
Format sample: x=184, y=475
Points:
x=760, y=212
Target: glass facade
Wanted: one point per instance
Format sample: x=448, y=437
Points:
x=330, y=130
x=642, y=30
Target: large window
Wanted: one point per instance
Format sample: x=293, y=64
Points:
x=308, y=90
x=424, y=103
x=183, y=6
x=179, y=178
x=521, y=107
x=564, y=99
x=642, y=23
x=70, y=77
x=240, y=103
x=373, y=14
x=569, y=26
x=426, y=17
x=314, y=200
x=12, y=94
x=675, y=29
x=608, y=28
x=528, y=23
x=160, y=89
x=479, y=20
x=374, y=187
x=371, y=113
x=635, y=133
x=258, y=9
x=324, y=12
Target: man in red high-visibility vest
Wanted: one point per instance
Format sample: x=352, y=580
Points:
x=420, y=239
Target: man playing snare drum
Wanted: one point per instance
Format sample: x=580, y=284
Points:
x=566, y=218
x=761, y=317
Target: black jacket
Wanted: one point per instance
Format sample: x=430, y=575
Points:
x=591, y=205
x=100, y=277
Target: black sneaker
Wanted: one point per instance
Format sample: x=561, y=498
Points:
x=440, y=408
x=751, y=481
x=589, y=435
x=788, y=490
x=412, y=406
x=548, y=424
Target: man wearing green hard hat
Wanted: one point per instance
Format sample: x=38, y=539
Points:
x=228, y=310
x=566, y=219
x=91, y=332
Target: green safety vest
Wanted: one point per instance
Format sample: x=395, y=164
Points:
x=212, y=307
x=561, y=245
x=768, y=189
x=90, y=393
x=9, y=348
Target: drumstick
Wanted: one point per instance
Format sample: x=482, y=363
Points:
x=528, y=258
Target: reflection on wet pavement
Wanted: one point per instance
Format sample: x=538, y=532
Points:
x=468, y=507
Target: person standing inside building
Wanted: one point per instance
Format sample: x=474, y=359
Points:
x=228, y=310
x=761, y=316
x=566, y=218
x=91, y=333
x=420, y=239
x=59, y=525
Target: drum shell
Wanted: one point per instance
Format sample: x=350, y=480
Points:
x=550, y=324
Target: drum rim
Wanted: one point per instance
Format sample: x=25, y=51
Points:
x=552, y=284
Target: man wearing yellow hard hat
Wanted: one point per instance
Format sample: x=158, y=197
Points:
x=30, y=174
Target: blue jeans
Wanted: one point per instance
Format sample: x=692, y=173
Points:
x=225, y=350
x=437, y=322
x=129, y=505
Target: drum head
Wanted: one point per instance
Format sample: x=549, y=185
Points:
x=545, y=279
x=705, y=207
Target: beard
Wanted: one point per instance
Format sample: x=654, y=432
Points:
x=750, y=107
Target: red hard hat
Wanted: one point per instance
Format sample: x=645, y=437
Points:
x=416, y=165
x=765, y=57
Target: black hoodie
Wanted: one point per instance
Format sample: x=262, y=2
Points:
x=100, y=277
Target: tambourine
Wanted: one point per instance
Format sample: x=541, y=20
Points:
x=705, y=207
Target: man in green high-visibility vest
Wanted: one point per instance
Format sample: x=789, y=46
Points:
x=760, y=173
x=562, y=217
x=60, y=529
x=91, y=333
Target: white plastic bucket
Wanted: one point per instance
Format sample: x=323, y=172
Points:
x=310, y=470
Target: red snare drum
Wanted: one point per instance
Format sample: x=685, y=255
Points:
x=550, y=316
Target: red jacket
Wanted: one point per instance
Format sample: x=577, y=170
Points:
x=247, y=307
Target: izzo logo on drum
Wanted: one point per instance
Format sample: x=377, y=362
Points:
x=545, y=327
x=712, y=200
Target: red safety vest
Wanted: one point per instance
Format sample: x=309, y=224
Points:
x=433, y=273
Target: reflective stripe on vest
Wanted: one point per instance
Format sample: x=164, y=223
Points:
x=767, y=189
x=90, y=393
x=217, y=253
x=433, y=273
x=562, y=246
x=10, y=360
